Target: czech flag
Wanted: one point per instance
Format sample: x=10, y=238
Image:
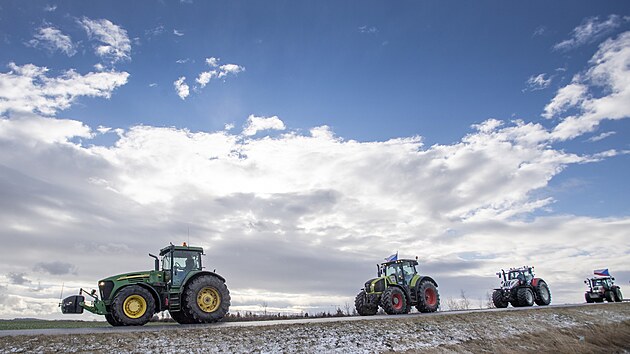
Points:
x=602, y=272
x=393, y=257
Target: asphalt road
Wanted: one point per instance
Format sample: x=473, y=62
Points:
x=105, y=330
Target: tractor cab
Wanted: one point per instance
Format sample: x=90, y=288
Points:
x=399, y=272
x=517, y=276
x=179, y=261
x=523, y=274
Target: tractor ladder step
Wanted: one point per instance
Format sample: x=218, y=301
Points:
x=174, y=302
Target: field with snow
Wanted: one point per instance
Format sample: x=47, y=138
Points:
x=580, y=328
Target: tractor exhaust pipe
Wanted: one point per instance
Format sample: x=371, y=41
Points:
x=157, y=262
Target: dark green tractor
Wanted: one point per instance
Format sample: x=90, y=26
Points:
x=181, y=286
x=397, y=288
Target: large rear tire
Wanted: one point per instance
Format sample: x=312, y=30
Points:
x=364, y=308
x=525, y=297
x=133, y=306
x=428, y=297
x=610, y=297
x=207, y=299
x=393, y=301
x=498, y=300
x=618, y=295
x=543, y=294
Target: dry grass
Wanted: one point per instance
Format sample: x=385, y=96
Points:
x=607, y=338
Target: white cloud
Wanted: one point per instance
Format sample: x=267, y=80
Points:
x=205, y=77
x=50, y=8
x=312, y=200
x=219, y=72
x=178, y=33
x=52, y=39
x=591, y=29
x=233, y=69
x=182, y=61
x=115, y=46
x=181, y=88
x=153, y=84
x=255, y=124
x=27, y=88
x=608, y=75
x=212, y=61
x=601, y=136
x=538, y=82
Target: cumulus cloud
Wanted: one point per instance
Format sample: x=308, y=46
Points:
x=27, y=88
x=255, y=124
x=115, y=44
x=313, y=200
x=181, y=87
x=178, y=33
x=52, y=39
x=591, y=29
x=602, y=92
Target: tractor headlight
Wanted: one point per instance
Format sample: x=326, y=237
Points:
x=101, y=284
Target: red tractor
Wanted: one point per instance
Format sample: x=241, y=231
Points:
x=520, y=288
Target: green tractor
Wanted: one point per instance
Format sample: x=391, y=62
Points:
x=397, y=288
x=181, y=286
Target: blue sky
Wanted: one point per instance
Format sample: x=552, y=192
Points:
x=309, y=94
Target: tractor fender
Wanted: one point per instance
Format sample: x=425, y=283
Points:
x=200, y=273
x=535, y=281
x=427, y=278
x=154, y=293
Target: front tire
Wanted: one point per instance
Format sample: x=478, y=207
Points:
x=428, y=297
x=525, y=297
x=112, y=321
x=543, y=295
x=363, y=307
x=207, y=299
x=588, y=299
x=393, y=301
x=133, y=306
x=498, y=300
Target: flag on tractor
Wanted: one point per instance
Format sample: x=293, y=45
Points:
x=393, y=257
x=602, y=272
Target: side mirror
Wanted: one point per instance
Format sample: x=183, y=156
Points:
x=586, y=282
x=613, y=278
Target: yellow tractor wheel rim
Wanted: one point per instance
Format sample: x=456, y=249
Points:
x=208, y=299
x=134, y=306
